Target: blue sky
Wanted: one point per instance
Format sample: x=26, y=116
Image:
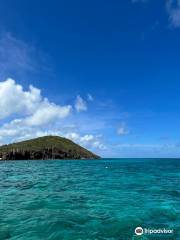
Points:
x=103, y=73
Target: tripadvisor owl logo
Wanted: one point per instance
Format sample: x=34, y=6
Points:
x=139, y=231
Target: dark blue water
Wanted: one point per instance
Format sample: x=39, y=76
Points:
x=87, y=200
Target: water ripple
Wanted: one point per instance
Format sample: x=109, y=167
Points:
x=81, y=200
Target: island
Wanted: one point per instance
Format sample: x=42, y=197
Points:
x=47, y=147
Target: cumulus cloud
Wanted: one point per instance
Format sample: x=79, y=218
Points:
x=15, y=100
x=173, y=9
x=17, y=129
x=30, y=104
x=87, y=140
x=30, y=112
x=46, y=113
x=32, y=115
x=80, y=104
x=122, y=129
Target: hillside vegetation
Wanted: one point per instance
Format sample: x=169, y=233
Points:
x=48, y=147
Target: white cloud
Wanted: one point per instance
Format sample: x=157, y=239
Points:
x=73, y=136
x=92, y=141
x=90, y=97
x=35, y=109
x=173, y=9
x=87, y=140
x=34, y=116
x=18, y=130
x=80, y=104
x=122, y=129
x=31, y=114
x=98, y=144
x=15, y=100
x=46, y=113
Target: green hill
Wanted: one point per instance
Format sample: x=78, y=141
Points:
x=48, y=147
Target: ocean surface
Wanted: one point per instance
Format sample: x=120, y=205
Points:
x=88, y=200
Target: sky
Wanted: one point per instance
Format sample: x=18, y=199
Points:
x=105, y=74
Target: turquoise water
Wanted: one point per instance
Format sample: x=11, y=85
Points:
x=88, y=200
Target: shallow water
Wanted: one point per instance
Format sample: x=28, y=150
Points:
x=103, y=199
